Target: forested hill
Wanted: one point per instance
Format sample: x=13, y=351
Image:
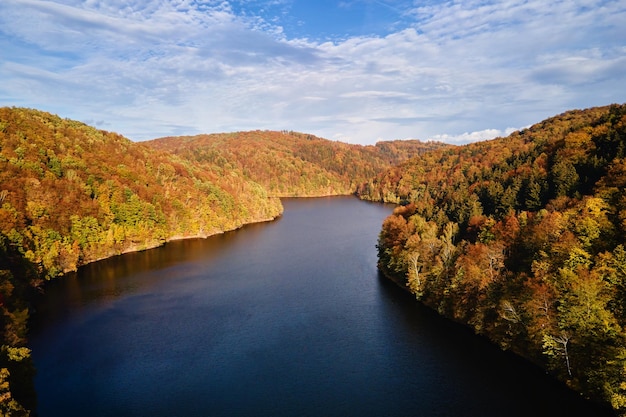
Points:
x=291, y=164
x=71, y=193
x=523, y=238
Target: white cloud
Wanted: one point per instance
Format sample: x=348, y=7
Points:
x=150, y=69
x=468, y=137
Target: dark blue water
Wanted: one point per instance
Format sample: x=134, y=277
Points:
x=288, y=318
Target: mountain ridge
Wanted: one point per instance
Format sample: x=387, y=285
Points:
x=293, y=164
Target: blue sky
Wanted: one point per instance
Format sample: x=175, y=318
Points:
x=358, y=71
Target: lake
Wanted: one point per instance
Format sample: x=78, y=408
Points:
x=288, y=318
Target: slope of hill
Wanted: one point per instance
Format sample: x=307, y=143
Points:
x=290, y=164
x=524, y=239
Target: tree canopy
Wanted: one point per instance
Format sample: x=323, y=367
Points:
x=292, y=164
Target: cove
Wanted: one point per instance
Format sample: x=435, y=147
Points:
x=288, y=318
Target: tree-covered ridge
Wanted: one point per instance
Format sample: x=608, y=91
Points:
x=524, y=239
x=291, y=164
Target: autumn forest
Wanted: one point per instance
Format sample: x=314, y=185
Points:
x=523, y=239
x=520, y=238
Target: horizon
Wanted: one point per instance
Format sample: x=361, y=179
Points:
x=355, y=71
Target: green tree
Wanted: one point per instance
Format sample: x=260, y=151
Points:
x=564, y=178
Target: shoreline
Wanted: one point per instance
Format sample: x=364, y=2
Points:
x=177, y=237
x=158, y=244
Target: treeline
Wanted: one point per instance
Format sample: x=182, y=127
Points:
x=291, y=164
x=524, y=239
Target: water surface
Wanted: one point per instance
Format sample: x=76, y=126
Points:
x=288, y=318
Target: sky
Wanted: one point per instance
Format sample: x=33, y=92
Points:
x=357, y=71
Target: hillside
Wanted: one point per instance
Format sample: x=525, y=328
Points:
x=523, y=238
x=290, y=164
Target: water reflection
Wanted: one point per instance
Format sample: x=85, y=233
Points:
x=100, y=283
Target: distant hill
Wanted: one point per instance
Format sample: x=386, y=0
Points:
x=523, y=239
x=291, y=164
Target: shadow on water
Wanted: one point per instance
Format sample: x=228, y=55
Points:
x=109, y=279
x=518, y=387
